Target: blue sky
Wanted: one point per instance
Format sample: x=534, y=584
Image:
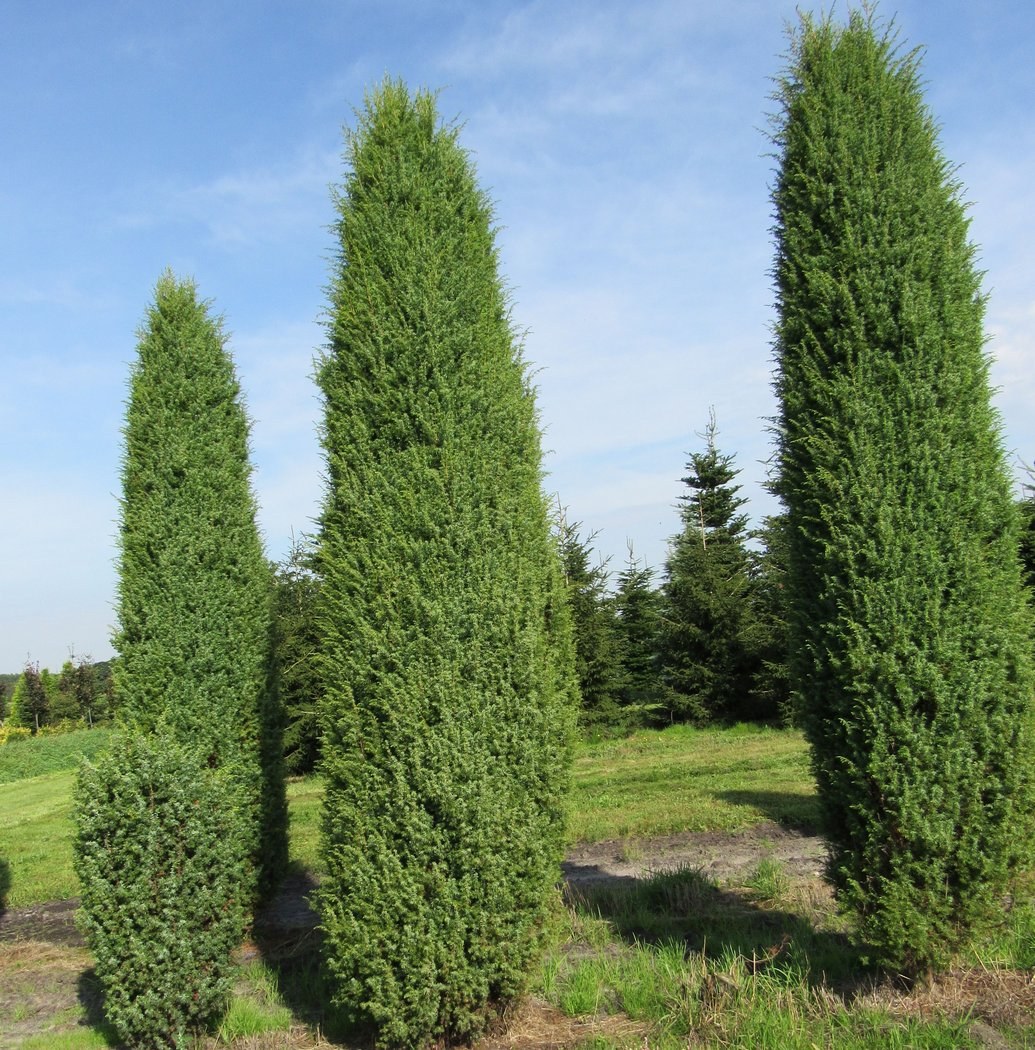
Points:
x=624, y=145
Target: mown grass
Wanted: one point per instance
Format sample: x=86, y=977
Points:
x=39, y=755
x=650, y=783
x=671, y=960
x=688, y=779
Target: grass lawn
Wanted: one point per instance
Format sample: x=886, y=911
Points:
x=686, y=779
x=664, y=961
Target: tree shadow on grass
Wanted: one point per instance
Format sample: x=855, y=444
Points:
x=91, y=998
x=793, y=809
x=684, y=905
x=289, y=942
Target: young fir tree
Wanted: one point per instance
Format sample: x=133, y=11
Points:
x=771, y=690
x=593, y=623
x=707, y=652
x=637, y=605
x=297, y=640
x=910, y=636
x=194, y=587
x=447, y=658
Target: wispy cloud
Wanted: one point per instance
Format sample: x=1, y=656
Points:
x=245, y=208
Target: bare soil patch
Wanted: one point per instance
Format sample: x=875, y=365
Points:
x=726, y=857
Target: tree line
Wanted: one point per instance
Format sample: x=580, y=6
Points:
x=444, y=617
x=82, y=693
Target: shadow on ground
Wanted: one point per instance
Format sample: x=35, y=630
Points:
x=684, y=905
x=791, y=809
x=287, y=938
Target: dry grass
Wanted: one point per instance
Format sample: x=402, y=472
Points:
x=536, y=1025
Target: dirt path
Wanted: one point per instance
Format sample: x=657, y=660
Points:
x=725, y=857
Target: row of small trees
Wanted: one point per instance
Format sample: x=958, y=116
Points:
x=704, y=644
x=82, y=693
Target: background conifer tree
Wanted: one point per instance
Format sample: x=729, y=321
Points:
x=30, y=703
x=297, y=588
x=637, y=605
x=597, y=660
x=771, y=690
x=195, y=587
x=707, y=651
x=910, y=636
x=447, y=661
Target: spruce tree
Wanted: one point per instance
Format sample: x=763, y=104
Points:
x=770, y=689
x=909, y=631
x=637, y=604
x=707, y=654
x=446, y=656
x=195, y=587
x=593, y=623
x=297, y=587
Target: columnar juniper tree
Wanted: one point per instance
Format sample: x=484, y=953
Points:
x=195, y=587
x=446, y=642
x=908, y=621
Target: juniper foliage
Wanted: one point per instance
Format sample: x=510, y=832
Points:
x=446, y=657
x=195, y=588
x=160, y=859
x=909, y=631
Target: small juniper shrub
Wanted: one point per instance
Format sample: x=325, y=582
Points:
x=160, y=858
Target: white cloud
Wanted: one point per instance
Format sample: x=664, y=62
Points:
x=246, y=208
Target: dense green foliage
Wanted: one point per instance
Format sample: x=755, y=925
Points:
x=771, y=688
x=446, y=652
x=637, y=605
x=707, y=643
x=910, y=636
x=296, y=640
x=195, y=588
x=161, y=863
x=597, y=657
x=30, y=700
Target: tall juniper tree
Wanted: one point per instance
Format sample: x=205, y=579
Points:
x=194, y=585
x=909, y=628
x=446, y=653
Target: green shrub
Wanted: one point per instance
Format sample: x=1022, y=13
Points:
x=160, y=861
x=8, y=734
x=448, y=672
x=910, y=635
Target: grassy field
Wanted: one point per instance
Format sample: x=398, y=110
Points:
x=670, y=959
